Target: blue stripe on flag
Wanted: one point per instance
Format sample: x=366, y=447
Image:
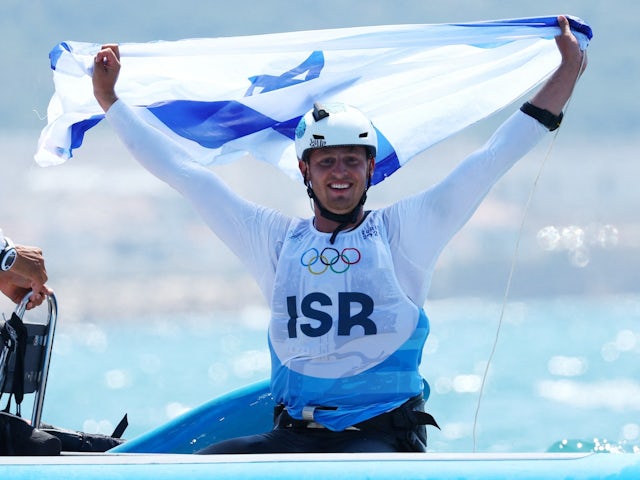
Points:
x=56, y=52
x=210, y=124
x=386, y=160
x=576, y=24
x=77, y=131
x=288, y=127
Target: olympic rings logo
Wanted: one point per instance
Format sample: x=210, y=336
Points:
x=330, y=258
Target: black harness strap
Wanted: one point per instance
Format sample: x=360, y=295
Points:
x=121, y=427
x=18, y=350
x=405, y=417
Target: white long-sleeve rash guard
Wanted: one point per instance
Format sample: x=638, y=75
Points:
x=419, y=226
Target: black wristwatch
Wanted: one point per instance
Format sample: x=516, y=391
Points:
x=8, y=255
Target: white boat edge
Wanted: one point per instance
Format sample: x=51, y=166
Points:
x=75, y=458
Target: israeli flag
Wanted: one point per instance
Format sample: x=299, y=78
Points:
x=223, y=98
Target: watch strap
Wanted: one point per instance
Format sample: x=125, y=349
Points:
x=545, y=117
x=8, y=255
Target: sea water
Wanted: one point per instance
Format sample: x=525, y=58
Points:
x=565, y=374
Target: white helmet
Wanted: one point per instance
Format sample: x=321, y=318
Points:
x=333, y=125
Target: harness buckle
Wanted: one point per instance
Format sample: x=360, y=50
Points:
x=307, y=413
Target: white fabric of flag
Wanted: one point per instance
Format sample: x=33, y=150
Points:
x=223, y=98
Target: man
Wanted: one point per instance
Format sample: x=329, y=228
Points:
x=22, y=270
x=346, y=287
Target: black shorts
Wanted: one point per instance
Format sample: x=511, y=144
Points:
x=401, y=430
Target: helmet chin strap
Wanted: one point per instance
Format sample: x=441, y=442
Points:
x=343, y=219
